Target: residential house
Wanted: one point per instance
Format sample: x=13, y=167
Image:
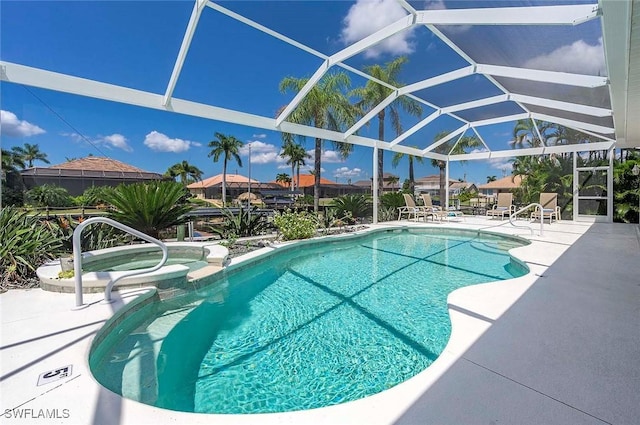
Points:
x=328, y=188
x=80, y=174
x=211, y=188
x=505, y=184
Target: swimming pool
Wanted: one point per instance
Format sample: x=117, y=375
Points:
x=312, y=325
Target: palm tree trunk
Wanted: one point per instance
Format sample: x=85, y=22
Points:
x=298, y=175
x=224, y=183
x=316, y=182
x=293, y=176
x=443, y=196
x=380, y=155
x=411, y=178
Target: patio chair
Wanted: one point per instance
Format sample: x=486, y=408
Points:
x=438, y=212
x=503, y=207
x=550, y=208
x=411, y=208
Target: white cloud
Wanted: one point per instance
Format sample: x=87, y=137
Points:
x=500, y=164
x=328, y=156
x=11, y=126
x=162, y=143
x=259, y=136
x=578, y=57
x=439, y=5
x=262, y=153
x=368, y=16
x=346, y=172
x=116, y=141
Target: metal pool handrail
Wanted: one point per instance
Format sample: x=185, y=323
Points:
x=512, y=216
x=77, y=256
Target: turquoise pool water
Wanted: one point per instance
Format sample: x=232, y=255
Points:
x=308, y=327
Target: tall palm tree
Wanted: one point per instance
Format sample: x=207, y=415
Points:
x=325, y=106
x=525, y=134
x=11, y=161
x=30, y=153
x=185, y=171
x=464, y=143
x=297, y=155
x=228, y=146
x=373, y=93
x=491, y=179
x=283, y=178
x=396, y=160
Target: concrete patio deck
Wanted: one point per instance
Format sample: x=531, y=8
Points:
x=557, y=346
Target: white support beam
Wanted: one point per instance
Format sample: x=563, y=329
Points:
x=535, y=15
x=564, y=106
x=578, y=80
x=445, y=139
x=581, y=147
x=303, y=92
x=499, y=120
x=373, y=39
x=198, y=7
x=535, y=127
x=416, y=127
x=480, y=138
x=371, y=114
x=437, y=80
x=476, y=103
x=571, y=123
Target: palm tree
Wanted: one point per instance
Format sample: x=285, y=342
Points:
x=228, y=146
x=297, y=155
x=396, y=160
x=373, y=93
x=11, y=162
x=464, y=143
x=325, y=106
x=283, y=178
x=491, y=179
x=30, y=153
x=185, y=171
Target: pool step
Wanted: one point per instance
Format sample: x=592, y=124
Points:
x=203, y=272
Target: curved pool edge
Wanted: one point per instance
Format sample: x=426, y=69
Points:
x=486, y=302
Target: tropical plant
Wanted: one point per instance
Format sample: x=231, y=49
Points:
x=246, y=223
x=187, y=172
x=95, y=195
x=387, y=213
x=325, y=106
x=284, y=178
x=11, y=161
x=393, y=200
x=627, y=190
x=150, y=207
x=30, y=153
x=491, y=179
x=95, y=236
x=457, y=148
x=228, y=147
x=296, y=155
x=354, y=206
x=25, y=245
x=374, y=93
x=296, y=224
x=48, y=195
x=396, y=160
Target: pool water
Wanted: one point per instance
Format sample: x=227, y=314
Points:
x=313, y=326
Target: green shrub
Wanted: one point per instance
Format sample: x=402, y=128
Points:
x=354, y=206
x=25, y=244
x=246, y=223
x=296, y=225
x=392, y=200
x=95, y=236
x=149, y=207
x=48, y=195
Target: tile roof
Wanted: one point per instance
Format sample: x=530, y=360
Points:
x=217, y=179
x=97, y=163
x=307, y=180
x=509, y=182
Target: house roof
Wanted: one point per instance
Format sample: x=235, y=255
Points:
x=93, y=166
x=217, y=179
x=509, y=182
x=428, y=179
x=307, y=180
x=460, y=185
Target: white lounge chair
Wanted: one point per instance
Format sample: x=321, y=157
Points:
x=503, y=207
x=438, y=212
x=550, y=208
x=411, y=208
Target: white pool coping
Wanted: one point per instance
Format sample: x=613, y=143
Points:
x=41, y=333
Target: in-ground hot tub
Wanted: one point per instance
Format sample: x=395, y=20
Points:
x=185, y=260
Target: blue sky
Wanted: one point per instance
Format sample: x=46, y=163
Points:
x=134, y=44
